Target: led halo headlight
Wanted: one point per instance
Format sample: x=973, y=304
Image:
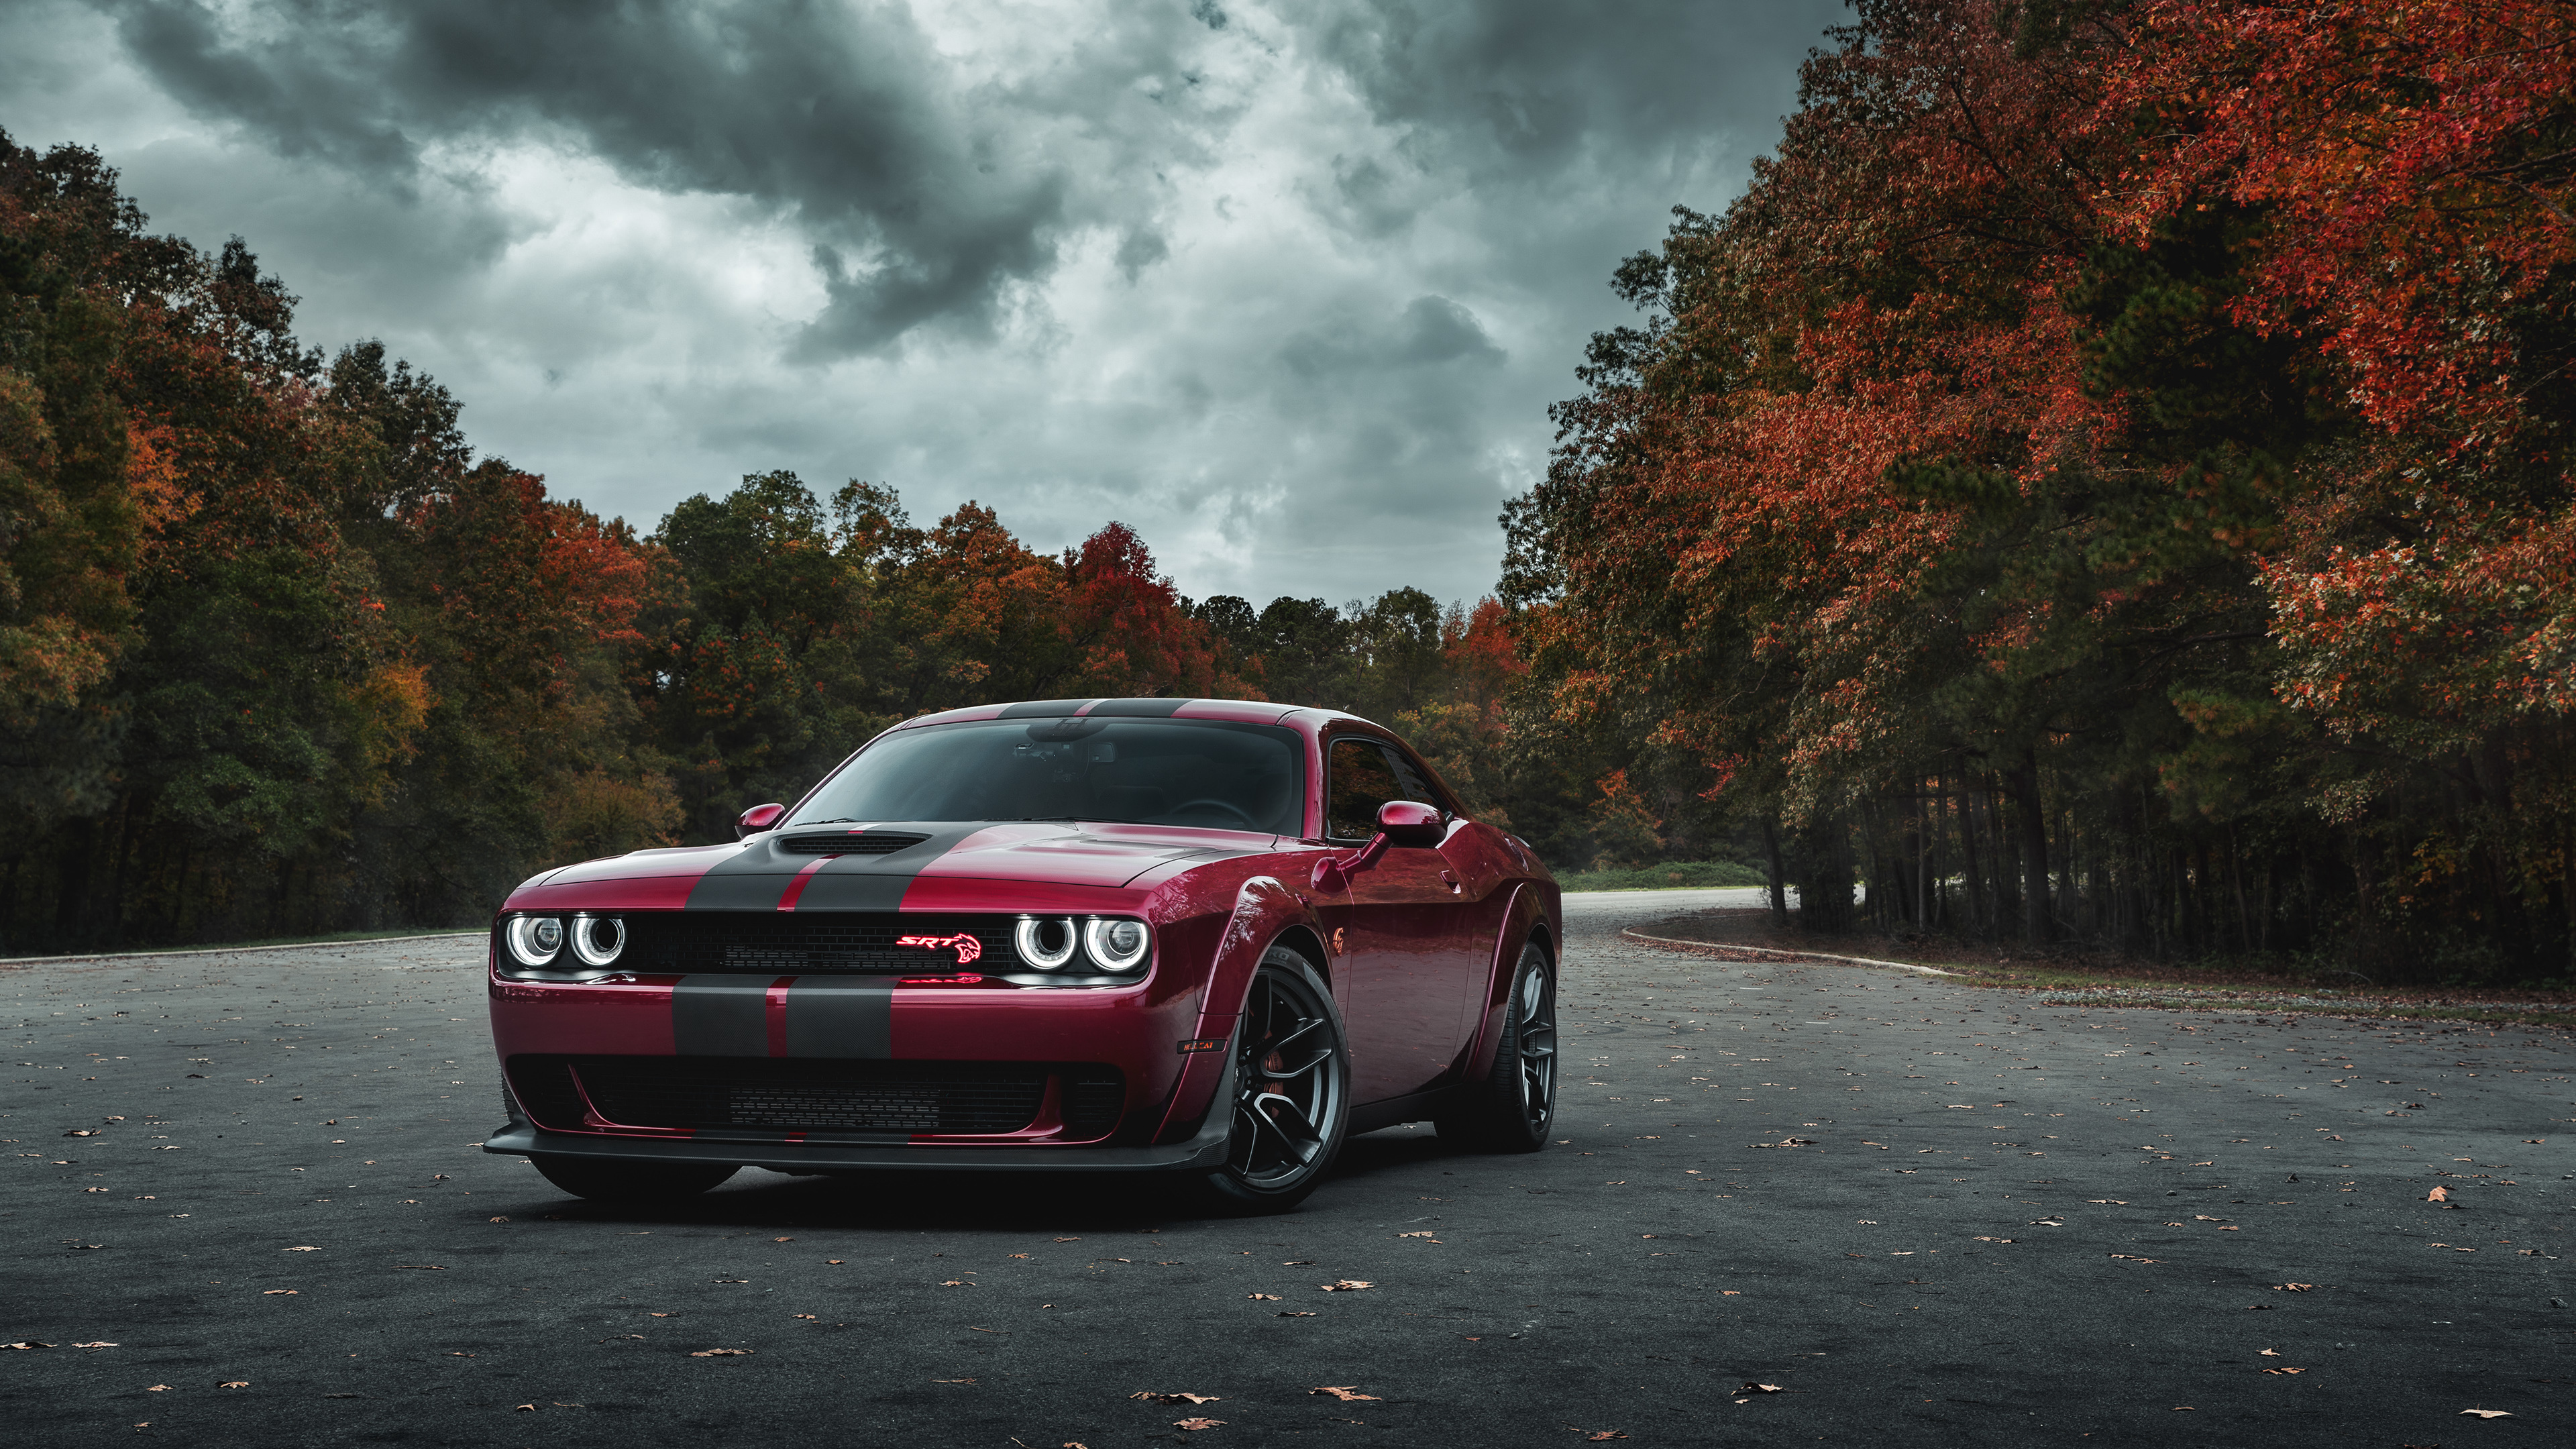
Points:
x=533, y=940
x=1115, y=943
x=1032, y=934
x=597, y=940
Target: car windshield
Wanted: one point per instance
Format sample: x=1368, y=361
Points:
x=1209, y=773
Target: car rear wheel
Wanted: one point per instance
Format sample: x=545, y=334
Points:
x=1292, y=1089
x=1512, y=1109
x=631, y=1182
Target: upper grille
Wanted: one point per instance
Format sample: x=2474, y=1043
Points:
x=789, y=943
x=845, y=843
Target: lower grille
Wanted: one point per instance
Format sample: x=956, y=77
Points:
x=722, y=1093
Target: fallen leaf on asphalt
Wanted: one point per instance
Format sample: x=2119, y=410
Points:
x=425, y=1267
x=2284, y=1371
x=952, y=1381
x=954, y=1283
x=1298, y=1263
x=1345, y=1285
x=1994, y=1240
x=831, y=1262
x=1759, y=1389
x=274, y=1292
x=1344, y=1392
x=1193, y=1400
x=300, y=1250
x=1604, y=1434
x=650, y=1313
x=82, y=1132
x=2112, y=1201
x=1264, y=1297
x=158, y=1389
x=2292, y=1287
x=1196, y=1424
x=1413, y=1235
x=720, y=1353
x=1297, y=1314
x=100, y=1343
x=527, y=1408
x=2485, y=1414
x=808, y=1317
x=234, y=1384
x=2439, y=1194
x=1068, y=1240
x=1730, y=1293
x=782, y=1240
x=500, y=1220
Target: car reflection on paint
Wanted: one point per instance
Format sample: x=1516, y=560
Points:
x=1202, y=938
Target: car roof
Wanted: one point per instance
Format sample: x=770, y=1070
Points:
x=1244, y=711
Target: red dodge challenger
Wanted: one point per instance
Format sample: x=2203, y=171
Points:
x=1206, y=938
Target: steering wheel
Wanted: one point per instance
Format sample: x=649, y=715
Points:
x=1228, y=806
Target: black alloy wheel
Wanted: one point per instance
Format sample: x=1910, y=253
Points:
x=1292, y=1086
x=631, y=1182
x=1514, y=1107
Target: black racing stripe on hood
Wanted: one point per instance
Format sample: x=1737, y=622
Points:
x=756, y=877
x=1044, y=708
x=872, y=882
x=1137, y=708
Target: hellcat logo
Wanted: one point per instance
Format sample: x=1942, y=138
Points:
x=969, y=950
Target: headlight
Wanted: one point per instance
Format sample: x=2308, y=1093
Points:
x=597, y=939
x=533, y=940
x=1116, y=945
x=1046, y=943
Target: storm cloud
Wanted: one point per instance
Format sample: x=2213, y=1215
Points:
x=1288, y=288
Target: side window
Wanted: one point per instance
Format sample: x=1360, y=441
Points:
x=1417, y=781
x=1358, y=779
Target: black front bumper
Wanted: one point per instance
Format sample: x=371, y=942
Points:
x=1203, y=1152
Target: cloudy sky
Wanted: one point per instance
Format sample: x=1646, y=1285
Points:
x=1288, y=288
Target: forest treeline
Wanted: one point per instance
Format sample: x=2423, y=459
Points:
x=2106, y=478
x=2103, y=481
x=280, y=655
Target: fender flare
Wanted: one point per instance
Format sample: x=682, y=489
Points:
x=1264, y=910
x=1526, y=916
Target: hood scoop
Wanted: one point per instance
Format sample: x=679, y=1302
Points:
x=847, y=842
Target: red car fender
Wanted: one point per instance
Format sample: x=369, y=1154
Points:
x=1264, y=909
x=1528, y=913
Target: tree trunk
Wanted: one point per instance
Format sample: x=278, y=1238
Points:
x=1779, y=880
x=2034, y=849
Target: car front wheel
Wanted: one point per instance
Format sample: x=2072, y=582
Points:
x=1292, y=1089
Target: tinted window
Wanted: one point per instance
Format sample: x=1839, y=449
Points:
x=1138, y=771
x=1416, y=780
x=1361, y=780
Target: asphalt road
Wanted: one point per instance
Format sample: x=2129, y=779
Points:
x=285, y=1232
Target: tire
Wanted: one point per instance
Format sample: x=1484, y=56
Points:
x=1514, y=1107
x=1292, y=1090
x=631, y=1182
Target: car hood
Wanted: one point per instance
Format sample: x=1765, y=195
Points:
x=1041, y=853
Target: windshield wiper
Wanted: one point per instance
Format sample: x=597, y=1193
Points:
x=835, y=820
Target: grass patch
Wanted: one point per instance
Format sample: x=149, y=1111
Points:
x=1675, y=875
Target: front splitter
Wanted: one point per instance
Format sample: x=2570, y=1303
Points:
x=1206, y=1151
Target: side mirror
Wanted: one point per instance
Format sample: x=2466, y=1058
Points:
x=757, y=819
x=1410, y=822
